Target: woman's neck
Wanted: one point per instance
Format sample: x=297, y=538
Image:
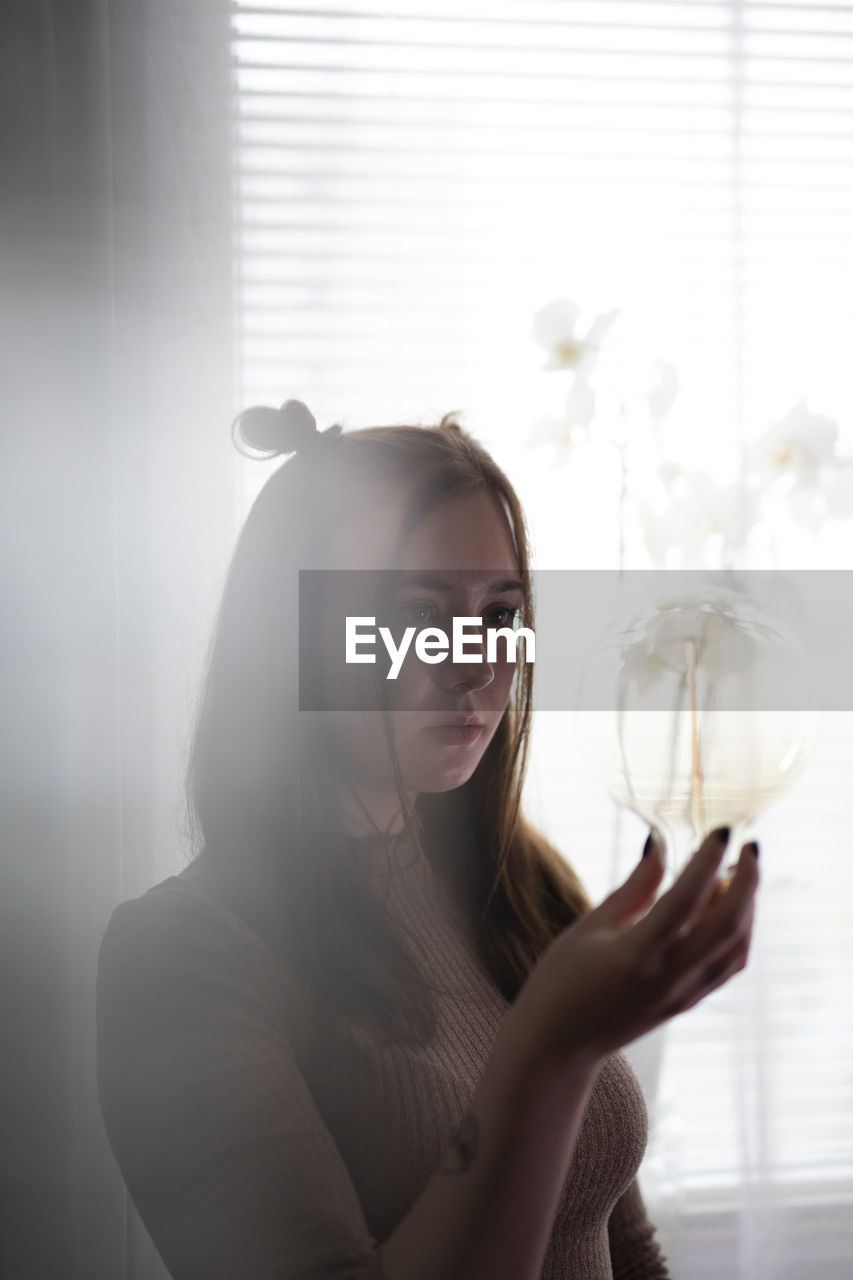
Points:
x=366, y=813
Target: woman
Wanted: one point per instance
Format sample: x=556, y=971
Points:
x=373, y=1029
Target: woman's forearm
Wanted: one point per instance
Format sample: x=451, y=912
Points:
x=488, y=1211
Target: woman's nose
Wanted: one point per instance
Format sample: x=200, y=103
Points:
x=470, y=675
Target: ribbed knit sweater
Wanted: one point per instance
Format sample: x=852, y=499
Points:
x=259, y=1145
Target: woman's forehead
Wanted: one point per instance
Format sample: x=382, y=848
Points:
x=465, y=534
x=367, y=538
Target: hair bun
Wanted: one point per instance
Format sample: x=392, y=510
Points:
x=262, y=432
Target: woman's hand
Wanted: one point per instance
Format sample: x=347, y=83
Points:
x=617, y=973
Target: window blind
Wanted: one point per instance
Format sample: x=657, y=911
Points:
x=413, y=181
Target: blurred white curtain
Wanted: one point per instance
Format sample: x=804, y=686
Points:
x=118, y=509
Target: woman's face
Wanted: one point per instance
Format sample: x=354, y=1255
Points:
x=458, y=561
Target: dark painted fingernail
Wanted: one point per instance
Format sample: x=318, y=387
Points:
x=722, y=834
x=752, y=848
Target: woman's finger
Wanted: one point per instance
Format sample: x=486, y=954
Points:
x=635, y=894
x=719, y=972
x=680, y=904
x=724, y=921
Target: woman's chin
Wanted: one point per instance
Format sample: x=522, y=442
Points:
x=448, y=769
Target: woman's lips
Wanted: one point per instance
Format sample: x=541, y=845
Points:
x=456, y=734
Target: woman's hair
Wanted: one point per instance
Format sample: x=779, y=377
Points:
x=261, y=782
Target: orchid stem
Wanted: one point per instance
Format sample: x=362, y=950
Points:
x=696, y=803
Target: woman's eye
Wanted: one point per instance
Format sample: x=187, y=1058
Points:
x=501, y=615
x=420, y=613
x=417, y=613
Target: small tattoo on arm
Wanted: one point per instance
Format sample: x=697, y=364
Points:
x=463, y=1147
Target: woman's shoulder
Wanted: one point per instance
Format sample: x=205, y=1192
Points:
x=189, y=928
x=175, y=914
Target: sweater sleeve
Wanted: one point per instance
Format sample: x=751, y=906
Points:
x=634, y=1252
x=223, y=1150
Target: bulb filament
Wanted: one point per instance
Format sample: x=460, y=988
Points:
x=696, y=799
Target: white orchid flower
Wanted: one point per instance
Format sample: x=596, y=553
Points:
x=838, y=489
x=806, y=507
x=571, y=345
x=797, y=446
x=560, y=432
x=699, y=514
x=571, y=427
x=580, y=403
x=670, y=472
x=663, y=391
x=830, y=497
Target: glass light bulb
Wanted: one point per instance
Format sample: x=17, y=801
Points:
x=701, y=716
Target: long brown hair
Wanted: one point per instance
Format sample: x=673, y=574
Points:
x=260, y=784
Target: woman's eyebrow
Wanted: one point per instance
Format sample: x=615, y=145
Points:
x=428, y=581
x=432, y=583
